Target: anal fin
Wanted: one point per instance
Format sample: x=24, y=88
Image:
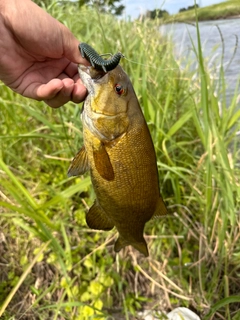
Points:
x=79, y=164
x=97, y=219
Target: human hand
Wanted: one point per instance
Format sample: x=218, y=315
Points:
x=38, y=55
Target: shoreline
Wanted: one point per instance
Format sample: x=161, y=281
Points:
x=232, y=17
x=174, y=20
x=225, y=10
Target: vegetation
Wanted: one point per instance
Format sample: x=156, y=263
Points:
x=52, y=265
x=109, y=6
x=189, y=8
x=154, y=14
x=223, y=10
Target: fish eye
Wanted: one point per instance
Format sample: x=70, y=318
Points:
x=119, y=89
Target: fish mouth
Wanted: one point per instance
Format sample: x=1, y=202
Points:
x=90, y=76
x=92, y=72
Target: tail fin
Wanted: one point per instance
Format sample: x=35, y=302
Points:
x=120, y=244
x=140, y=246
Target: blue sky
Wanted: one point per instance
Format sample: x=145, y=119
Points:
x=135, y=8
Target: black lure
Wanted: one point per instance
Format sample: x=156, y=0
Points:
x=96, y=60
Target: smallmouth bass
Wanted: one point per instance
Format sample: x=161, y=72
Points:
x=119, y=152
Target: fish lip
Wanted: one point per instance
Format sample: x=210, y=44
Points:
x=89, y=74
x=90, y=77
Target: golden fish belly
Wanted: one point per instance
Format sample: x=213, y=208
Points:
x=131, y=197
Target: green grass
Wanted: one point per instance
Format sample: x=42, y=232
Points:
x=223, y=10
x=194, y=252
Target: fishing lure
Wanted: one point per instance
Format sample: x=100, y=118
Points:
x=96, y=60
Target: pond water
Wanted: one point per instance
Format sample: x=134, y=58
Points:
x=220, y=42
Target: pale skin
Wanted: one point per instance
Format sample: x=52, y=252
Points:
x=38, y=55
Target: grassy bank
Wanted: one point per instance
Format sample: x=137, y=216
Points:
x=224, y=10
x=52, y=265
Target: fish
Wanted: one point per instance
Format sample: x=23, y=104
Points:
x=119, y=153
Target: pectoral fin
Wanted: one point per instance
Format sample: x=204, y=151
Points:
x=103, y=163
x=97, y=219
x=79, y=164
x=161, y=208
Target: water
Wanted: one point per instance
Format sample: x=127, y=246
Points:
x=217, y=46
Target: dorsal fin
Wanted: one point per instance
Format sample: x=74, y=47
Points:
x=161, y=208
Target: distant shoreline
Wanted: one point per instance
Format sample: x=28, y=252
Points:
x=225, y=10
x=200, y=20
x=231, y=17
x=222, y=18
